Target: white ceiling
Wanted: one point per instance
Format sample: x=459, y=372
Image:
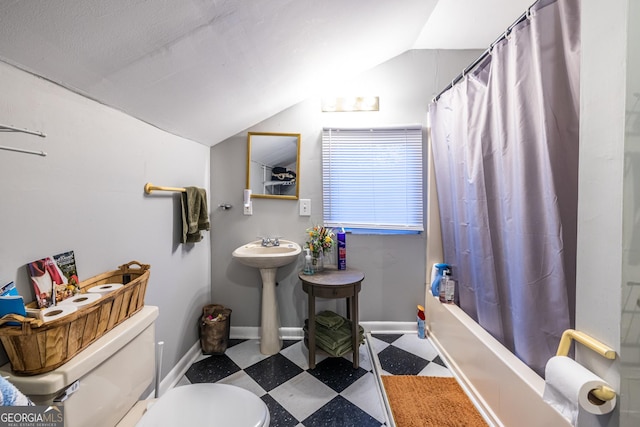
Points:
x=208, y=69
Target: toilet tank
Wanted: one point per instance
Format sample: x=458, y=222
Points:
x=110, y=375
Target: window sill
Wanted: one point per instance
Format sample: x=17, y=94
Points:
x=381, y=232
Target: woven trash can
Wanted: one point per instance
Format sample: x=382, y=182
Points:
x=214, y=329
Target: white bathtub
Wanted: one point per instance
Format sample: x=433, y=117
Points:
x=506, y=389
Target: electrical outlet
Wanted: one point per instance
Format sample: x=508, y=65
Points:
x=305, y=207
x=248, y=209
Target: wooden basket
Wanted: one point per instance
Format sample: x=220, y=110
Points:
x=36, y=347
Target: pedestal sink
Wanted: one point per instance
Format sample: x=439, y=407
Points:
x=268, y=259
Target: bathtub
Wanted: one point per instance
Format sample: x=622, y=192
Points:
x=503, y=387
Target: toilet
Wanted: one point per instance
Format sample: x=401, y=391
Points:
x=102, y=386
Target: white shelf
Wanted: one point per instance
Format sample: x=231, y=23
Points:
x=273, y=183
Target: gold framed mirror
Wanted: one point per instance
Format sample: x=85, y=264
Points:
x=273, y=162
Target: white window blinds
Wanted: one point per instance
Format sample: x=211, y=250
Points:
x=372, y=178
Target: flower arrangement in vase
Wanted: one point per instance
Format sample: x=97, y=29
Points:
x=321, y=240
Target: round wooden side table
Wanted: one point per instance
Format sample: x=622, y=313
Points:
x=333, y=283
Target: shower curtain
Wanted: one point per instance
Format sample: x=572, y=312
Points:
x=505, y=147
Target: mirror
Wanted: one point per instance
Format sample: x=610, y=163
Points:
x=272, y=164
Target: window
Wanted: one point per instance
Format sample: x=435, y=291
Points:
x=372, y=179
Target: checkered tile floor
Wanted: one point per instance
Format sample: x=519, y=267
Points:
x=407, y=355
x=332, y=394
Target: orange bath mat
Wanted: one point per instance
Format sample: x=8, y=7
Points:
x=430, y=401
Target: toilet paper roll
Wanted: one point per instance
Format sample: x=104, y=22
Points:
x=80, y=300
x=567, y=387
x=56, y=312
x=105, y=289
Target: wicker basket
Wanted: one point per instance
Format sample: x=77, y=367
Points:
x=36, y=347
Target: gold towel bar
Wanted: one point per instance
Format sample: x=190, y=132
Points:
x=148, y=188
x=603, y=393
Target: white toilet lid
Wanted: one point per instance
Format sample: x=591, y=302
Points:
x=207, y=405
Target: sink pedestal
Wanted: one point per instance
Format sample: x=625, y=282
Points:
x=267, y=259
x=270, y=341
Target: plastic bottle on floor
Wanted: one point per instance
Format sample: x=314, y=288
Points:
x=421, y=330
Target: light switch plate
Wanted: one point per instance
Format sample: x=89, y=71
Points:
x=248, y=209
x=305, y=207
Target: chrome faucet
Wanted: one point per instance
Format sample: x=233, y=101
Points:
x=268, y=241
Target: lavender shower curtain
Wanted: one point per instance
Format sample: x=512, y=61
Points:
x=505, y=146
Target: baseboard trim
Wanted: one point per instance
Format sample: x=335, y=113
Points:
x=390, y=327
x=180, y=369
x=292, y=333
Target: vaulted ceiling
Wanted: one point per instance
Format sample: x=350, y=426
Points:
x=208, y=69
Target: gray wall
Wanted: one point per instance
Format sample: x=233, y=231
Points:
x=87, y=196
x=394, y=266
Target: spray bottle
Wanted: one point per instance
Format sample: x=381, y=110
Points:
x=342, y=250
x=421, y=330
x=435, y=285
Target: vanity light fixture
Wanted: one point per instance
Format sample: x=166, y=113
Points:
x=351, y=103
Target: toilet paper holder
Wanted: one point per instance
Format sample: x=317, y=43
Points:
x=603, y=393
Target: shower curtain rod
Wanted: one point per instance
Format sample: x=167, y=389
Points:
x=525, y=15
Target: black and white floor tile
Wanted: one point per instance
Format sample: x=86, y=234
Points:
x=406, y=354
x=332, y=394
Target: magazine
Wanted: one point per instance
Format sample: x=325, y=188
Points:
x=54, y=278
x=8, y=289
x=67, y=264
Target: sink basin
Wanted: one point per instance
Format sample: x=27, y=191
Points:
x=255, y=255
x=267, y=259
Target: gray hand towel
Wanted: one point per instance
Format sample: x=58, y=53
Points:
x=195, y=215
